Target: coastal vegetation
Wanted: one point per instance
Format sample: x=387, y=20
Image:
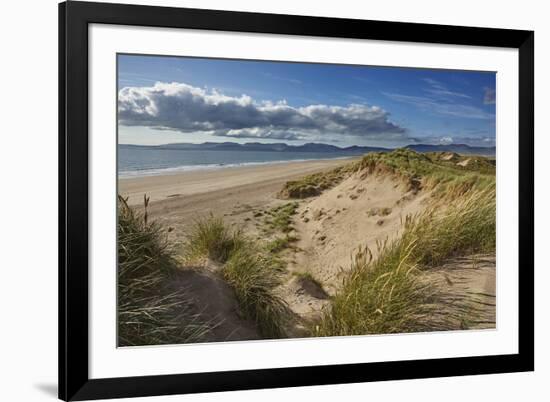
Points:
x=251, y=273
x=148, y=314
x=386, y=288
x=387, y=294
x=314, y=184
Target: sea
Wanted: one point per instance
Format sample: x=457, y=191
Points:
x=151, y=161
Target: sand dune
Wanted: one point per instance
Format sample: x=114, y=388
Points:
x=358, y=212
x=362, y=210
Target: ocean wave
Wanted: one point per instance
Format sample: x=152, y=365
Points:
x=127, y=174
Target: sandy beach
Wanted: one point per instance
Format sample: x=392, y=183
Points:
x=177, y=199
x=245, y=178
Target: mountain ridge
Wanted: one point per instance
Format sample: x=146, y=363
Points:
x=318, y=147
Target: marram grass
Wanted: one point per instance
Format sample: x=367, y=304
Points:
x=147, y=314
x=387, y=294
x=251, y=271
x=210, y=237
x=254, y=277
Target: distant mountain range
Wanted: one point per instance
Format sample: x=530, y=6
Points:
x=458, y=148
x=316, y=147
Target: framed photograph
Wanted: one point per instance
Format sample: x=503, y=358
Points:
x=258, y=201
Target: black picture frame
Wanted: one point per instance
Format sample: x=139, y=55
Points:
x=74, y=18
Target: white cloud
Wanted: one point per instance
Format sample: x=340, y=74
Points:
x=446, y=140
x=184, y=108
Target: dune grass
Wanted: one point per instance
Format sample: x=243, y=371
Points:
x=211, y=238
x=387, y=295
x=278, y=221
x=466, y=226
x=474, y=163
x=147, y=314
x=280, y=217
x=252, y=273
x=314, y=184
x=254, y=276
x=433, y=168
x=448, y=187
x=429, y=171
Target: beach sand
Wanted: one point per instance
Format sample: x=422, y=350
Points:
x=177, y=199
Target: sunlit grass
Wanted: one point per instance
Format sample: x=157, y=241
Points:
x=387, y=295
x=315, y=184
x=250, y=271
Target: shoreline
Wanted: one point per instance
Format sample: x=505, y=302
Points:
x=133, y=174
x=250, y=181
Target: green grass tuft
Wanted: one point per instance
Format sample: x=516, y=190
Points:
x=254, y=277
x=387, y=295
x=379, y=297
x=314, y=184
x=251, y=272
x=209, y=237
x=431, y=171
x=280, y=217
x=417, y=169
x=464, y=227
x=147, y=314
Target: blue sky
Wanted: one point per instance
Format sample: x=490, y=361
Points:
x=176, y=99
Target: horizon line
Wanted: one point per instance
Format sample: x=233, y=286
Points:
x=309, y=143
